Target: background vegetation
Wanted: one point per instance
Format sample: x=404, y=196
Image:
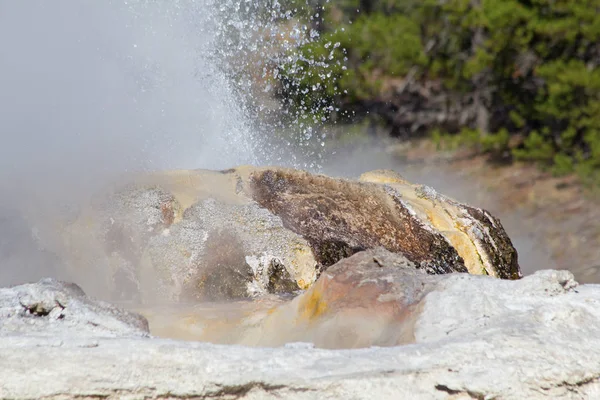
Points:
x=516, y=78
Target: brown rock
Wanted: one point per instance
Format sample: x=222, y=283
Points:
x=339, y=218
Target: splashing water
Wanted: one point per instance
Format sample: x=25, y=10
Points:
x=94, y=88
x=258, y=50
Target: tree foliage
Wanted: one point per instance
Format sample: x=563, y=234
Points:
x=528, y=67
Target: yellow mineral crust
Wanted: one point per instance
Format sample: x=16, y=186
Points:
x=442, y=215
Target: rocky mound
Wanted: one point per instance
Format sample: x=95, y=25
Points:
x=203, y=235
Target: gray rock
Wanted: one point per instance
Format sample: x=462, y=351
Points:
x=59, y=309
x=224, y=251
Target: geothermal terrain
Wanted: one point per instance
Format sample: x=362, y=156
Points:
x=269, y=283
x=164, y=234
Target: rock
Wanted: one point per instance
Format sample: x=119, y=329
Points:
x=176, y=236
x=369, y=299
x=340, y=217
x=54, y=308
x=178, y=256
x=382, y=176
x=226, y=274
x=373, y=298
x=473, y=337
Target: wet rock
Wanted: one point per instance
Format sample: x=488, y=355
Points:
x=369, y=299
x=55, y=308
x=279, y=279
x=382, y=176
x=235, y=246
x=227, y=275
x=340, y=217
x=373, y=298
x=158, y=239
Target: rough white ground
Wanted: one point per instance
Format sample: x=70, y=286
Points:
x=477, y=337
x=54, y=308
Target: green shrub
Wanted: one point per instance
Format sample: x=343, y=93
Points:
x=536, y=62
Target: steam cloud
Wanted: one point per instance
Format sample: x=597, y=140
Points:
x=92, y=89
x=97, y=87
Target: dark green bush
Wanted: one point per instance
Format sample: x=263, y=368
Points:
x=535, y=64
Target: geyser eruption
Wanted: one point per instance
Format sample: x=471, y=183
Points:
x=95, y=89
x=113, y=86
